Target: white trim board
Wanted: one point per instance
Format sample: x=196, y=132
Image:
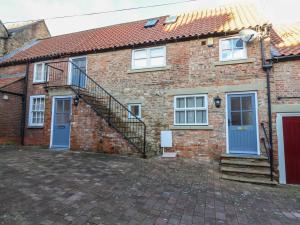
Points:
x=52, y=118
x=281, y=157
x=256, y=113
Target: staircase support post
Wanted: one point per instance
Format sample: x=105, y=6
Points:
x=109, y=111
x=144, y=147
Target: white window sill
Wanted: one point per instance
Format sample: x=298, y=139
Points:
x=39, y=82
x=191, y=127
x=152, y=69
x=232, y=62
x=35, y=126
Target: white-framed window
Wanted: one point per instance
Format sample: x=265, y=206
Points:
x=233, y=48
x=136, y=110
x=190, y=110
x=39, y=74
x=149, y=57
x=36, y=110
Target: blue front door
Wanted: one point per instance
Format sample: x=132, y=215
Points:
x=78, y=72
x=61, y=123
x=242, y=127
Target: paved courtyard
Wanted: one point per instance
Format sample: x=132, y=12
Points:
x=45, y=187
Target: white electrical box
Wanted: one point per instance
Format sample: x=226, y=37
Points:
x=166, y=139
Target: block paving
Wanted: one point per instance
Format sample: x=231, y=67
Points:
x=43, y=187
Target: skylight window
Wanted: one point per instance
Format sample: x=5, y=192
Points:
x=171, y=19
x=151, y=23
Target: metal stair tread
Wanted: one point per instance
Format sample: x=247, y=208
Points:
x=244, y=170
x=248, y=180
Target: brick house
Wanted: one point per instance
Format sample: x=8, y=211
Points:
x=15, y=35
x=109, y=89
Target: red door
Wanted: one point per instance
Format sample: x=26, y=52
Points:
x=291, y=135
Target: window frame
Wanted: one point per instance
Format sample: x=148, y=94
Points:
x=148, y=57
x=30, y=123
x=43, y=72
x=129, y=105
x=70, y=66
x=195, y=109
x=245, y=53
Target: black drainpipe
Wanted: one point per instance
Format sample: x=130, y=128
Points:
x=267, y=67
x=24, y=100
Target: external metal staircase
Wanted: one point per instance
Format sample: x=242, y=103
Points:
x=69, y=75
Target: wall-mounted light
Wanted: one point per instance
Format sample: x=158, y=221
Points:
x=76, y=100
x=5, y=97
x=217, y=101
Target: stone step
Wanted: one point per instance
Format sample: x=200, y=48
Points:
x=244, y=157
x=245, y=170
x=262, y=181
x=245, y=163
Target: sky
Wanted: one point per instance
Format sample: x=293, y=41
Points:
x=277, y=11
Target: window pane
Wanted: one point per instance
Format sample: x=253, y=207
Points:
x=140, y=54
x=200, y=102
x=156, y=52
x=235, y=104
x=180, y=103
x=160, y=61
x=135, y=110
x=190, y=116
x=236, y=118
x=238, y=43
x=226, y=54
x=226, y=44
x=180, y=117
x=246, y=103
x=247, y=118
x=80, y=63
x=59, y=106
x=201, y=116
x=140, y=63
x=38, y=74
x=67, y=106
x=238, y=54
x=190, y=102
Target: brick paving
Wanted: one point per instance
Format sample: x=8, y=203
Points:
x=51, y=188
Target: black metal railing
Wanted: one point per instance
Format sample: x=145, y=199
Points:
x=266, y=143
x=68, y=74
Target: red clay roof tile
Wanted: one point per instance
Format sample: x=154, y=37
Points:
x=230, y=18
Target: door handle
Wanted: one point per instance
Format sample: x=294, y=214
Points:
x=61, y=126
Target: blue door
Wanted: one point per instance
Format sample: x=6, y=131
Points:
x=78, y=72
x=242, y=127
x=61, y=123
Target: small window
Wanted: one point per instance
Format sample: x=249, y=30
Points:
x=136, y=111
x=190, y=110
x=171, y=19
x=151, y=23
x=232, y=49
x=37, y=110
x=39, y=74
x=149, y=57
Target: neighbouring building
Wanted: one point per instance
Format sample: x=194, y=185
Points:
x=15, y=35
x=114, y=89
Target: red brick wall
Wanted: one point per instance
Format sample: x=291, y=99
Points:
x=285, y=82
x=190, y=65
x=11, y=109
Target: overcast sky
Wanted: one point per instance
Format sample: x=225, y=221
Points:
x=277, y=11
